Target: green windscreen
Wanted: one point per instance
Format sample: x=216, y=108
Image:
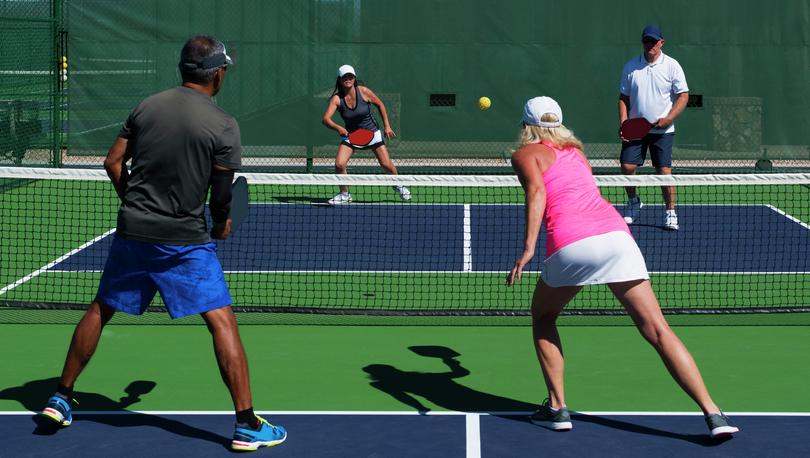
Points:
x=746, y=64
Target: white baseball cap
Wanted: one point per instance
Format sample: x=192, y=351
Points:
x=535, y=109
x=346, y=69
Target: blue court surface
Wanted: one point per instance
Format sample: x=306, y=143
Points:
x=485, y=238
x=158, y=434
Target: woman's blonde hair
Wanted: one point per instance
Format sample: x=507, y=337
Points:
x=561, y=136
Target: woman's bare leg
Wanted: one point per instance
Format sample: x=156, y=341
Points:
x=342, y=163
x=547, y=303
x=385, y=160
x=639, y=300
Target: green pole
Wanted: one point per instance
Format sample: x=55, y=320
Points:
x=57, y=82
x=311, y=84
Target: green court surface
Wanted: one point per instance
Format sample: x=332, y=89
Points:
x=321, y=368
x=751, y=362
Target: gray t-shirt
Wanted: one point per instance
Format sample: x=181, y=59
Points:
x=175, y=137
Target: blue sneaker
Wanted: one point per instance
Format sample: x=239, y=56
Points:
x=246, y=439
x=59, y=410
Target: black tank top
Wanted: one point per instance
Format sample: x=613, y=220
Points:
x=360, y=117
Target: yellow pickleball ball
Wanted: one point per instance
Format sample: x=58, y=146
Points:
x=484, y=103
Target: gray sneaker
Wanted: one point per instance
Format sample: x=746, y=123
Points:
x=558, y=421
x=632, y=210
x=720, y=426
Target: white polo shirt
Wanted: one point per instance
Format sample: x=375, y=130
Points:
x=652, y=87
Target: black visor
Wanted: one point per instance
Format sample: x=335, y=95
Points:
x=217, y=60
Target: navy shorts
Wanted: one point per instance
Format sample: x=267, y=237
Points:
x=189, y=278
x=660, y=146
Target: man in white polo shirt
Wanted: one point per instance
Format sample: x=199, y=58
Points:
x=653, y=86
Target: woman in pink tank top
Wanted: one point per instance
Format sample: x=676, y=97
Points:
x=588, y=242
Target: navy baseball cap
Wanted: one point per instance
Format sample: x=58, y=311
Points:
x=652, y=31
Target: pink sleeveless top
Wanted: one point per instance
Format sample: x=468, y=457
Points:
x=574, y=207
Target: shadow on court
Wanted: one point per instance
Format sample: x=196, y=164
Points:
x=440, y=388
x=33, y=395
x=324, y=201
x=443, y=390
x=301, y=200
x=699, y=439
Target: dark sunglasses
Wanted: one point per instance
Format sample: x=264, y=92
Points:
x=649, y=41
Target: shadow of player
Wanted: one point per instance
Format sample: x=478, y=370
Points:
x=439, y=388
x=443, y=390
x=32, y=396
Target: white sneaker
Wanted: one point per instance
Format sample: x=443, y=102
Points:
x=671, y=220
x=632, y=209
x=404, y=193
x=342, y=198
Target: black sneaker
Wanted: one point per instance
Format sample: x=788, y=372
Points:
x=720, y=426
x=558, y=421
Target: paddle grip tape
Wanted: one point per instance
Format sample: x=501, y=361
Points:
x=220, y=203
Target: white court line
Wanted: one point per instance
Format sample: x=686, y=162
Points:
x=467, y=247
x=795, y=220
x=473, y=427
x=260, y=412
x=452, y=272
x=404, y=413
x=39, y=271
x=699, y=414
x=318, y=203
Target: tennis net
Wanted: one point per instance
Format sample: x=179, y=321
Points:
x=743, y=244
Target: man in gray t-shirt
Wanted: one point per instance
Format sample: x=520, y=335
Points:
x=174, y=138
x=181, y=145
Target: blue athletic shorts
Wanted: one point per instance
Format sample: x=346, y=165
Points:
x=189, y=278
x=660, y=146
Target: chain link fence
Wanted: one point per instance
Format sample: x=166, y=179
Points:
x=429, y=62
x=31, y=111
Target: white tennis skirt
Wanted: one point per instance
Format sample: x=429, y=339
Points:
x=605, y=258
x=376, y=141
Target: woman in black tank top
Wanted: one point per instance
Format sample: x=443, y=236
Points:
x=353, y=101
